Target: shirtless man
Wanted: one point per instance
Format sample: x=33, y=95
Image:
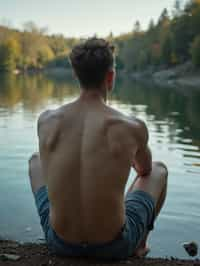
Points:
x=86, y=151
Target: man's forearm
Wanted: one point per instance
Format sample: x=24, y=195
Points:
x=143, y=165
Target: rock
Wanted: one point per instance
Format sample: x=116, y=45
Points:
x=9, y=257
x=13, y=245
x=191, y=248
x=165, y=75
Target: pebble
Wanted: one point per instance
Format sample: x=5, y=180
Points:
x=191, y=248
x=9, y=257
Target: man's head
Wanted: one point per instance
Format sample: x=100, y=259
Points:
x=93, y=64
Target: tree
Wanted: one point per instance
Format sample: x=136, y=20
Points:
x=177, y=10
x=164, y=19
x=151, y=25
x=7, y=56
x=44, y=55
x=166, y=51
x=137, y=28
x=31, y=27
x=58, y=44
x=181, y=37
x=142, y=60
x=195, y=51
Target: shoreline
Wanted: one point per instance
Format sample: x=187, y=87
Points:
x=37, y=254
x=184, y=75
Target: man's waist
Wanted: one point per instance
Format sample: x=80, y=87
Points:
x=76, y=233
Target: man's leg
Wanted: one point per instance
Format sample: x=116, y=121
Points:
x=35, y=173
x=154, y=184
x=40, y=191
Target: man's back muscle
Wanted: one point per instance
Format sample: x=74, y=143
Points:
x=86, y=152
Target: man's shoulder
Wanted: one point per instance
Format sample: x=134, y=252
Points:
x=120, y=126
x=50, y=121
x=52, y=116
x=119, y=119
x=48, y=117
x=49, y=127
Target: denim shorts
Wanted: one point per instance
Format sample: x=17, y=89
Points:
x=140, y=214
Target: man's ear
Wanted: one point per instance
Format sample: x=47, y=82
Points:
x=110, y=78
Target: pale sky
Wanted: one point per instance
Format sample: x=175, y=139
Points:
x=83, y=18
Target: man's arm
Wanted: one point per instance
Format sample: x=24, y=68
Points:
x=48, y=130
x=143, y=157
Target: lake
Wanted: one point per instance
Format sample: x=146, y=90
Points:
x=172, y=116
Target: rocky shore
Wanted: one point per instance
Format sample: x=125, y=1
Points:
x=13, y=253
x=184, y=75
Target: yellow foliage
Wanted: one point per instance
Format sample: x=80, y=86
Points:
x=14, y=46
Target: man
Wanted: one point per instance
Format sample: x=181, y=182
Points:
x=86, y=152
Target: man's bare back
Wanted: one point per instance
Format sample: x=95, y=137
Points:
x=86, y=151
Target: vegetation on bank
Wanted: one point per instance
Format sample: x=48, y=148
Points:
x=32, y=48
x=172, y=40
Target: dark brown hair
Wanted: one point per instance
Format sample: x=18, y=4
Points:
x=91, y=60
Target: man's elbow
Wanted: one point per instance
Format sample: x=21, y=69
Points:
x=145, y=171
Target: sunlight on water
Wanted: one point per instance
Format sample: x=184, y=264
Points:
x=173, y=122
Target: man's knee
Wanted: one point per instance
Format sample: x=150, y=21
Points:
x=161, y=171
x=34, y=164
x=34, y=156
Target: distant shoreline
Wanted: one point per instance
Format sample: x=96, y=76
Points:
x=37, y=254
x=182, y=75
x=49, y=70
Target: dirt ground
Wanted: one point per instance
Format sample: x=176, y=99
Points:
x=37, y=254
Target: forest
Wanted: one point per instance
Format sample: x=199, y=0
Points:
x=172, y=40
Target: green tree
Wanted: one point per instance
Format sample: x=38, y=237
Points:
x=181, y=37
x=195, y=51
x=164, y=18
x=166, y=51
x=137, y=27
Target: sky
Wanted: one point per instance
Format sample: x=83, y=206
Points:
x=83, y=18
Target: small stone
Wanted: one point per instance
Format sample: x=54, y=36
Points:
x=13, y=245
x=191, y=248
x=9, y=257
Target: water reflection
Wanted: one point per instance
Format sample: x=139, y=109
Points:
x=172, y=115
x=33, y=91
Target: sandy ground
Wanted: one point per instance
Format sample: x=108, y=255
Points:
x=35, y=254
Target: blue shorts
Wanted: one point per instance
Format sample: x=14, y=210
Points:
x=140, y=210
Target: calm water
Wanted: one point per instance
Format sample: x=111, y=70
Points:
x=172, y=117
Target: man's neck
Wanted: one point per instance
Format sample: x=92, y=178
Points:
x=94, y=94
